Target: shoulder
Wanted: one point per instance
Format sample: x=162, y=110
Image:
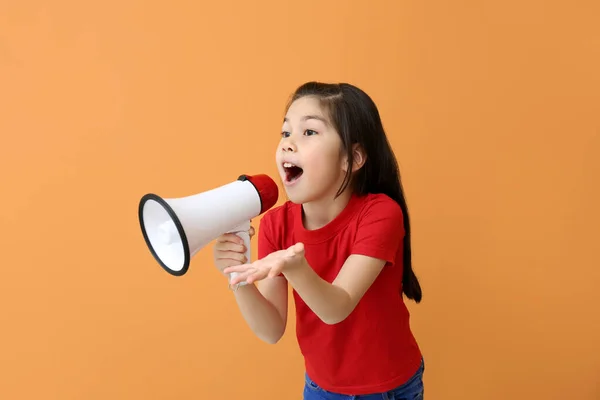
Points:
x=380, y=206
x=379, y=228
x=273, y=229
x=278, y=213
x=278, y=218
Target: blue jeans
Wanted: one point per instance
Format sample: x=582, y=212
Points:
x=411, y=390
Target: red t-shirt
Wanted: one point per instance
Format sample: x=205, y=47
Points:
x=373, y=350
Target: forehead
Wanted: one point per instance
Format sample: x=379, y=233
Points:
x=304, y=107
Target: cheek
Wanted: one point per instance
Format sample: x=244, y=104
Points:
x=327, y=163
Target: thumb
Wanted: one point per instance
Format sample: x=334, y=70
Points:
x=296, y=250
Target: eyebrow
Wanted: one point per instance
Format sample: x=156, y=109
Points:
x=307, y=117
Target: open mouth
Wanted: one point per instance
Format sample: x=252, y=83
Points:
x=292, y=172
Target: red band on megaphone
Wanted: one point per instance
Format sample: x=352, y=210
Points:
x=266, y=187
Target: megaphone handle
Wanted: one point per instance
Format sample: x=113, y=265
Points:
x=242, y=232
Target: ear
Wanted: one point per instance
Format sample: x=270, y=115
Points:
x=359, y=158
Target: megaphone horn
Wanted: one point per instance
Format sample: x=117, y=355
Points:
x=176, y=229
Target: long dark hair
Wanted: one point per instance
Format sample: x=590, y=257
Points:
x=356, y=118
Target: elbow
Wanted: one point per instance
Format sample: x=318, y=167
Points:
x=339, y=314
x=272, y=336
x=271, y=339
x=332, y=321
x=335, y=319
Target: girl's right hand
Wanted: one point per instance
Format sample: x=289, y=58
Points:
x=229, y=250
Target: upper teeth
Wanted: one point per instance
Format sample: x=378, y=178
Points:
x=288, y=165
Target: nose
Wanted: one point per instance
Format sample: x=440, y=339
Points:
x=288, y=146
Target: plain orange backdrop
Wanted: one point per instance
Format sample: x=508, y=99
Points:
x=493, y=109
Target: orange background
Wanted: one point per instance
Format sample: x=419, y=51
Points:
x=493, y=108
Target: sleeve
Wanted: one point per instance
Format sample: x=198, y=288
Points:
x=380, y=231
x=266, y=238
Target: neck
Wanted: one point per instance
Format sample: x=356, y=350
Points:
x=316, y=214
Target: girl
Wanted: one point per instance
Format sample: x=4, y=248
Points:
x=342, y=241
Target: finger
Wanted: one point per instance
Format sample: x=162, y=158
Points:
x=257, y=276
x=230, y=246
x=251, y=231
x=273, y=273
x=241, y=277
x=230, y=237
x=276, y=269
x=231, y=255
x=296, y=249
x=239, y=268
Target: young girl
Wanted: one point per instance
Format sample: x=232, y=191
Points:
x=342, y=241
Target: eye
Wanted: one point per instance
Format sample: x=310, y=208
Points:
x=285, y=134
x=310, y=132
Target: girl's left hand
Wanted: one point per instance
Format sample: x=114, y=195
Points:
x=270, y=266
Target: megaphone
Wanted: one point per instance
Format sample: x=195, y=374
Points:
x=176, y=229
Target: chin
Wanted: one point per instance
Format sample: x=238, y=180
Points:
x=298, y=195
x=295, y=197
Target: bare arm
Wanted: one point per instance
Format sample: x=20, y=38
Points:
x=333, y=302
x=264, y=307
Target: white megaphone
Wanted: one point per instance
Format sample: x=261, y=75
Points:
x=176, y=229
